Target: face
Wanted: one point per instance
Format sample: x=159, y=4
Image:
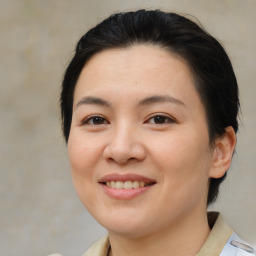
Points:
x=139, y=144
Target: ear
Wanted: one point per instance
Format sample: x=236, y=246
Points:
x=223, y=152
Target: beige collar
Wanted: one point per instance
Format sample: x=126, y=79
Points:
x=218, y=236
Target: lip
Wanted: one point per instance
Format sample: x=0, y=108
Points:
x=124, y=177
x=125, y=194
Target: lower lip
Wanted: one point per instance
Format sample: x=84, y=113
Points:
x=125, y=194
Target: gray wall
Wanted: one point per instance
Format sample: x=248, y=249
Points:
x=39, y=210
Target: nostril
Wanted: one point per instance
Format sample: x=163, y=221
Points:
x=132, y=159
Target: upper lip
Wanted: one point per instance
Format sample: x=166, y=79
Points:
x=125, y=177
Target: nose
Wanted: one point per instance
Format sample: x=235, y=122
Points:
x=124, y=146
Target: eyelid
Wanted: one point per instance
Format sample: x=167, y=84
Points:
x=168, y=117
x=85, y=121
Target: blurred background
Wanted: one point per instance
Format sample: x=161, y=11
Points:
x=39, y=210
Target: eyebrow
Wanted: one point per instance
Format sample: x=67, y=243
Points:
x=160, y=99
x=92, y=101
x=147, y=101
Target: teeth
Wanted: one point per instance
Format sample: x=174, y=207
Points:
x=135, y=184
x=113, y=184
x=119, y=185
x=142, y=184
x=126, y=185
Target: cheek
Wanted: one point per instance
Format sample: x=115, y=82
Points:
x=182, y=158
x=82, y=158
x=83, y=153
x=184, y=166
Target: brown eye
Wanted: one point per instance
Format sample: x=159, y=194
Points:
x=95, y=120
x=159, y=119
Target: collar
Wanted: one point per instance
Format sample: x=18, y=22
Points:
x=218, y=237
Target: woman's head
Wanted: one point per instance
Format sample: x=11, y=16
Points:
x=211, y=70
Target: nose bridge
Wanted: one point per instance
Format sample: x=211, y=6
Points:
x=123, y=134
x=124, y=144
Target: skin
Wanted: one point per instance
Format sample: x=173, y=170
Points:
x=175, y=153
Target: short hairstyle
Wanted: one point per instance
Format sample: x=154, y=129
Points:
x=213, y=75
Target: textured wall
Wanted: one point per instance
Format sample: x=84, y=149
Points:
x=39, y=210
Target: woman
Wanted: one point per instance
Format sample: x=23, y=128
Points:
x=149, y=107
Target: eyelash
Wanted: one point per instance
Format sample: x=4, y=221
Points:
x=93, y=118
x=167, y=119
x=101, y=120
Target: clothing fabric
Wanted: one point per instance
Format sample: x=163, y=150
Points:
x=222, y=241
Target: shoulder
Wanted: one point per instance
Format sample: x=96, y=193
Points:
x=235, y=246
x=100, y=248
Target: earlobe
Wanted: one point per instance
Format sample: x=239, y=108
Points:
x=223, y=152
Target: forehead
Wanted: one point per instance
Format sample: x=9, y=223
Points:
x=135, y=70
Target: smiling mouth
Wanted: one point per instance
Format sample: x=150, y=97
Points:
x=127, y=184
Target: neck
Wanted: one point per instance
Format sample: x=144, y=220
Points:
x=186, y=237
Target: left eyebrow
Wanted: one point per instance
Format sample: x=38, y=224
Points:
x=160, y=99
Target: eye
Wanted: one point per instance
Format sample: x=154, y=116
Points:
x=95, y=120
x=160, y=119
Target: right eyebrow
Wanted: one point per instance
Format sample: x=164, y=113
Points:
x=92, y=101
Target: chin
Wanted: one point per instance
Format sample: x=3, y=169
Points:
x=128, y=230
x=126, y=225
x=135, y=230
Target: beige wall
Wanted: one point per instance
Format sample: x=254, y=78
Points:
x=39, y=211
